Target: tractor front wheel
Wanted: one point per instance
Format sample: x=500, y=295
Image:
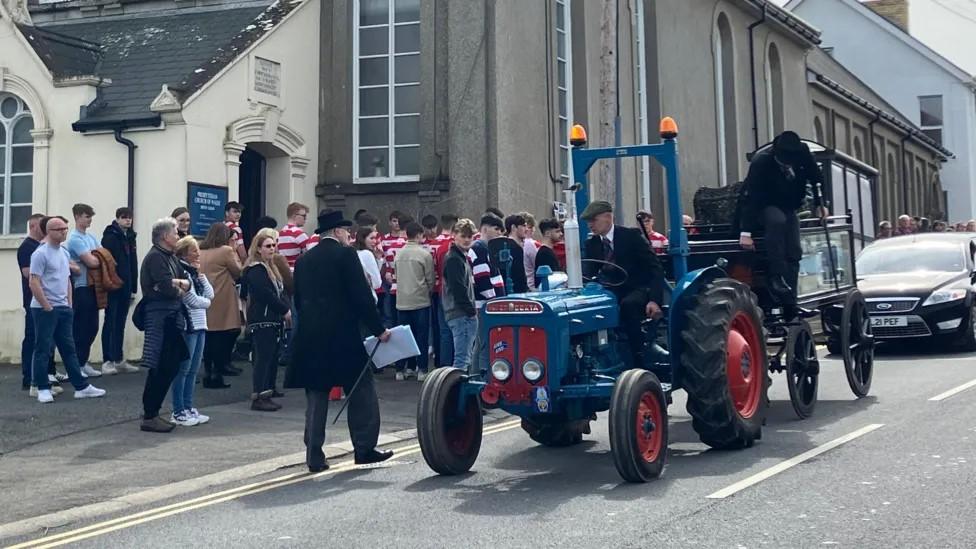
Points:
x=638, y=426
x=724, y=365
x=449, y=435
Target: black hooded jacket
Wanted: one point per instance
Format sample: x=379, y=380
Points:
x=122, y=245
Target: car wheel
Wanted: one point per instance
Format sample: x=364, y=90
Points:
x=967, y=341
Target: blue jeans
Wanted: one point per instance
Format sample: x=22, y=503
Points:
x=445, y=355
x=55, y=328
x=419, y=322
x=182, y=387
x=465, y=332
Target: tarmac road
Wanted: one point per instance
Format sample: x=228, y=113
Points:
x=898, y=471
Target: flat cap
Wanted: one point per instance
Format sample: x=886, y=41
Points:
x=596, y=208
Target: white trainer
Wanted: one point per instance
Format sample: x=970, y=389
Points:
x=90, y=392
x=57, y=378
x=201, y=419
x=88, y=371
x=109, y=369
x=126, y=368
x=56, y=390
x=45, y=396
x=184, y=419
x=421, y=376
x=400, y=377
x=33, y=391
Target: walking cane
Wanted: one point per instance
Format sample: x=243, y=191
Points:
x=369, y=362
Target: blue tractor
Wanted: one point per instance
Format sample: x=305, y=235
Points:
x=557, y=358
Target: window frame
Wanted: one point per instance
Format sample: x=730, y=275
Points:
x=6, y=167
x=391, y=86
x=940, y=127
x=564, y=36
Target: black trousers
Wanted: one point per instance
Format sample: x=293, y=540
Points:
x=218, y=350
x=266, y=341
x=633, y=311
x=113, y=329
x=160, y=378
x=782, y=234
x=85, y=326
x=363, y=413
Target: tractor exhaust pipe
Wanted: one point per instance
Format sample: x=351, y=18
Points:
x=571, y=235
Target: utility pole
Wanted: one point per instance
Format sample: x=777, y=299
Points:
x=605, y=184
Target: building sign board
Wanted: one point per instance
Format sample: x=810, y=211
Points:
x=206, y=204
x=267, y=77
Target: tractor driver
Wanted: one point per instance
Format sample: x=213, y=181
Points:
x=775, y=189
x=625, y=247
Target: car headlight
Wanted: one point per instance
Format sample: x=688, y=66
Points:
x=501, y=370
x=532, y=370
x=945, y=296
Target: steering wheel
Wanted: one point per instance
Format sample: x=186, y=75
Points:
x=602, y=279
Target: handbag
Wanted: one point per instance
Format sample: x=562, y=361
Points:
x=139, y=315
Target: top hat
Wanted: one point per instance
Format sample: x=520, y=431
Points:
x=331, y=219
x=789, y=145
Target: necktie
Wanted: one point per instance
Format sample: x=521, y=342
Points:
x=607, y=249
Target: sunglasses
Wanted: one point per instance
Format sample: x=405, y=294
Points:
x=272, y=246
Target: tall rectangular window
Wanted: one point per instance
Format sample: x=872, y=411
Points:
x=930, y=109
x=564, y=86
x=386, y=80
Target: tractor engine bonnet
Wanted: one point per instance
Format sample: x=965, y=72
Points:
x=538, y=327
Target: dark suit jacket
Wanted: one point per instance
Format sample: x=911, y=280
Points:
x=632, y=253
x=334, y=304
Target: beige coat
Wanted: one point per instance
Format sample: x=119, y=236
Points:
x=223, y=270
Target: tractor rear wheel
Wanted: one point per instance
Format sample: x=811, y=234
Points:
x=724, y=365
x=564, y=433
x=449, y=441
x=638, y=426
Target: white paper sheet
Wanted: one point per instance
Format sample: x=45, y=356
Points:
x=400, y=346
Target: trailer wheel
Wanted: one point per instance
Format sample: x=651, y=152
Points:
x=802, y=369
x=449, y=442
x=556, y=435
x=857, y=344
x=638, y=426
x=724, y=365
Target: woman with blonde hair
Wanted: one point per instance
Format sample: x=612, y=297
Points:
x=196, y=301
x=267, y=312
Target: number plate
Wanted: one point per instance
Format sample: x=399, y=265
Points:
x=889, y=321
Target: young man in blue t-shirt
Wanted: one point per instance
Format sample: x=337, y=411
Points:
x=81, y=244
x=51, y=311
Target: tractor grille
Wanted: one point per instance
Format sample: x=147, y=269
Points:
x=887, y=305
x=916, y=328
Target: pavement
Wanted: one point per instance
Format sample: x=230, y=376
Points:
x=894, y=469
x=57, y=459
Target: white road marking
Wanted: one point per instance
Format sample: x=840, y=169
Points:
x=952, y=392
x=792, y=462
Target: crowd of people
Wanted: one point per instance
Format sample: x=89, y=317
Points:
x=907, y=224
x=199, y=297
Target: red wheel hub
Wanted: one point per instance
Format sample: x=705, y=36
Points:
x=744, y=366
x=650, y=433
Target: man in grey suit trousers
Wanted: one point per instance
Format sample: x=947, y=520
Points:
x=335, y=308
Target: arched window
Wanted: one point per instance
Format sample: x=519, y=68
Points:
x=818, y=131
x=16, y=164
x=774, y=92
x=728, y=142
x=894, y=201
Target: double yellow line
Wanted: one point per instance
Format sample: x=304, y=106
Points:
x=150, y=515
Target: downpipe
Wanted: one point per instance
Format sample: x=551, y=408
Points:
x=131, y=182
x=571, y=232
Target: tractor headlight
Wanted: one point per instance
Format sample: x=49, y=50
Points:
x=501, y=370
x=532, y=370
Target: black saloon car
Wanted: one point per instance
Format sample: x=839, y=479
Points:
x=921, y=286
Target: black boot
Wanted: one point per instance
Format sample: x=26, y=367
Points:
x=230, y=370
x=215, y=382
x=781, y=291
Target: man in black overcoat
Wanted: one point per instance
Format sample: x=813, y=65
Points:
x=642, y=291
x=335, y=307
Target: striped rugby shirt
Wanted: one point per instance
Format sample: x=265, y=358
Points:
x=391, y=245
x=292, y=243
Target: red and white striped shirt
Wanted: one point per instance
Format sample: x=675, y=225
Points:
x=292, y=243
x=238, y=235
x=659, y=243
x=312, y=242
x=438, y=247
x=391, y=245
